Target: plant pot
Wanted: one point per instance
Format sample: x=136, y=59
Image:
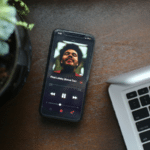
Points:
x=20, y=65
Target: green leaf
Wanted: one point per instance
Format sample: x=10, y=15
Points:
x=4, y=48
x=6, y=29
x=3, y=2
x=7, y=20
x=26, y=25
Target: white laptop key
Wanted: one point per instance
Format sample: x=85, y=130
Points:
x=130, y=96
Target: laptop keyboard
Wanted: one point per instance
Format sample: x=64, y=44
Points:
x=139, y=102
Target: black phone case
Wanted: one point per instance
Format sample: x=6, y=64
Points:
x=48, y=60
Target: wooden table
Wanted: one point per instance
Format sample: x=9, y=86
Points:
x=122, y=32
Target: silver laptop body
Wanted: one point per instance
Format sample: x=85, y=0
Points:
x=130, y=96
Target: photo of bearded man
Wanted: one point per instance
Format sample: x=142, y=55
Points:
x=70, y=59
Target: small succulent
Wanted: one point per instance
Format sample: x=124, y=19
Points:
x=8, y=22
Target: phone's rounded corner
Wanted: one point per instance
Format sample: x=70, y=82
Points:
x=57, y=30
x=93, y=38
x=78, y=120
x=42, y=113
x=81, y=116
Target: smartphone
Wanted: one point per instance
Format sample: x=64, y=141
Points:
x=67, y=75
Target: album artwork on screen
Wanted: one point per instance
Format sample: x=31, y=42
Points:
x=68, y=63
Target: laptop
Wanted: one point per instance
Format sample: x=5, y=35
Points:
x=130, y=97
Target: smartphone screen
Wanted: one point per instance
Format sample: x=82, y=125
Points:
x=67, y=75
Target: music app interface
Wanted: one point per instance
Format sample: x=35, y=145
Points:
x=67, y=77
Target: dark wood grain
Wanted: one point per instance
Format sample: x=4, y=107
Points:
x=122, y=32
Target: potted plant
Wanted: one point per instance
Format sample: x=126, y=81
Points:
x=15, y=49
